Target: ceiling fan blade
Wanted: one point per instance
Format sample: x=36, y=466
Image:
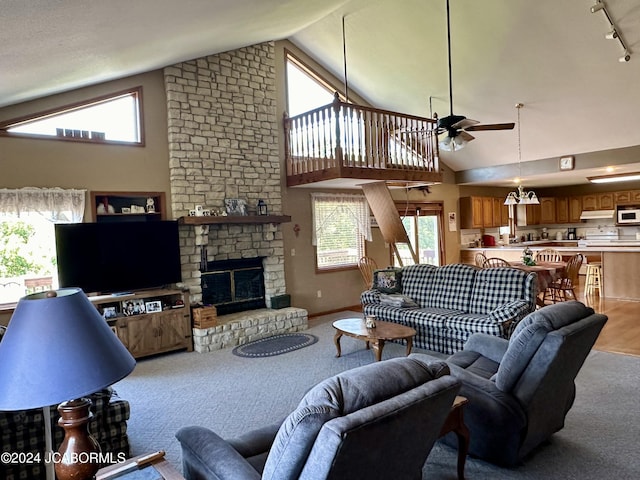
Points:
x=490, y=126
x=465, y=123
x=467, y=137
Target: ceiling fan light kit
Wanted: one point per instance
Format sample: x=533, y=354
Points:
x=614, y=33
x=457, y=126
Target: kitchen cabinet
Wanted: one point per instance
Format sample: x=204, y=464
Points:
x=575, y=209
x=487, y=212
x=483, y=212
x=562, y=210
x=547, y=210
x=627, y=197
x=598, y=201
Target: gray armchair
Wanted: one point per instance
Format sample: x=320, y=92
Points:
x=376, y=421
x=521, y=389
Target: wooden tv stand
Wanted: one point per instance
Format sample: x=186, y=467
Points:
x=162, y=330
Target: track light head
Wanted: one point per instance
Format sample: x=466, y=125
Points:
x=598, y=6
x=625, y=58
x=612, y=35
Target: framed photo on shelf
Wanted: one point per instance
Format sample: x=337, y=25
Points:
x=153, y=307
x=132, y=307
x=109, y=312
x=235, y=206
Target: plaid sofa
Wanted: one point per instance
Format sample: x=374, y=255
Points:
x=23, y=431
x=453, y=301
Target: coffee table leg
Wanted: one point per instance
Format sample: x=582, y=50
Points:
x=336, y=340
x=378, y=345
x=409, y=345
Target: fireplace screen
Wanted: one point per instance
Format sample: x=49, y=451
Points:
x=234, y=285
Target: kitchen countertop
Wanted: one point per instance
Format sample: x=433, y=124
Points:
x=614, y=246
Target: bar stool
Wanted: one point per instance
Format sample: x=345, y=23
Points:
x=593, y=280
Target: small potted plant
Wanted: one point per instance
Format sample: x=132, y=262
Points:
x=527, y=257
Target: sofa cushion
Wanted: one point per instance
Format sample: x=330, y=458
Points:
x=417, y=282
x=495, y=287
x=529, y=334
x=452, y=286
x=386, y=313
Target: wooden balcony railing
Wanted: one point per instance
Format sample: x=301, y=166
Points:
x=360, y=142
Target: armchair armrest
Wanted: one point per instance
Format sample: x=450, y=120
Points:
x=255, y=442
x=488, y=346
x=206, y=455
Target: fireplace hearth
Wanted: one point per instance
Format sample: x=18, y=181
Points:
x=234, y=285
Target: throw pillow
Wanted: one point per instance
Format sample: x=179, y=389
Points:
x=387, y=280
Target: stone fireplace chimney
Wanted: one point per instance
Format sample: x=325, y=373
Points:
x=223, y=143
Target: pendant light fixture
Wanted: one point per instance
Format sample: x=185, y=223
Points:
x=520, y=197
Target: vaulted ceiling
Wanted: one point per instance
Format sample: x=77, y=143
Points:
x=551, y=56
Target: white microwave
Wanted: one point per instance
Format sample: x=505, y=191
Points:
x=629, y=215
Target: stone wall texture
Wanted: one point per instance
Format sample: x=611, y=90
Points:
x=223, y=143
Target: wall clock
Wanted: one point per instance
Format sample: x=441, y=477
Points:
x=566, y=163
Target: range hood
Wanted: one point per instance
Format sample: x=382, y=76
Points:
x=597, y=214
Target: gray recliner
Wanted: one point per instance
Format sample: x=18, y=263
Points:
x=376, y=421
x=521, y=389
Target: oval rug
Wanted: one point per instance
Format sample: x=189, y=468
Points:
x=276, y=345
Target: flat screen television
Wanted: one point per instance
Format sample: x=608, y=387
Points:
x=115, y=257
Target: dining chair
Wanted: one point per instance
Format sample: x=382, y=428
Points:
x=367, y=265
x=563, y=288
x=495, y=262
x=480, y=258
x=548, y=255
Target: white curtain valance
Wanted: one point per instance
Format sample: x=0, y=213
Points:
x=356, y=205
x=56, y=204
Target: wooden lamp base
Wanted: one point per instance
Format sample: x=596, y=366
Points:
x=79, y=452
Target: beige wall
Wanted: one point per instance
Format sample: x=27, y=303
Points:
x=54, y=163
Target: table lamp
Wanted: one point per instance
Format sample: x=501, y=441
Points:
x=58, y=348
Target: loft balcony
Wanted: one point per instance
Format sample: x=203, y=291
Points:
x=341, y=145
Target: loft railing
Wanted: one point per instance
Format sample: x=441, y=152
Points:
x=346, y=135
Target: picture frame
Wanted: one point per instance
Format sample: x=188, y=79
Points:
x=153, y=307
x=387, y=280
x=235, y=206
x=133, y=307
x=109, y=312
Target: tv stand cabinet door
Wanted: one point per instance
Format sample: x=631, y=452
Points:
x=175, y=330
x=143, y=335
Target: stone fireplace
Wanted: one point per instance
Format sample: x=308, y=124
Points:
x=224, y=144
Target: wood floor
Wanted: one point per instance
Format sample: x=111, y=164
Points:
x=621, y=334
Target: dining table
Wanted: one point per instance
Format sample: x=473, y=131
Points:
x=546, y=273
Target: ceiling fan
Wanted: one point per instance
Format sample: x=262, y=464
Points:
x=457, y=126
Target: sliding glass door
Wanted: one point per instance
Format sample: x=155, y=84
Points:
x=423, y=223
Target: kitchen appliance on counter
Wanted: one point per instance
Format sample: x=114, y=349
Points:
x=488, y=240
x=601, y=236
x=628, y=215
x=545, y=234
x=571, y=235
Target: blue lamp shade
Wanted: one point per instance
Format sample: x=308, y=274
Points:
x=58, y=349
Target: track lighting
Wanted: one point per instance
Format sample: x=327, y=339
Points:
x=612, y=35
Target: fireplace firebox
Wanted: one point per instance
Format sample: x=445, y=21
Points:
x=234, y=285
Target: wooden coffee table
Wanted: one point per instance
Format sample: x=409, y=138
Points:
x=354, y=327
